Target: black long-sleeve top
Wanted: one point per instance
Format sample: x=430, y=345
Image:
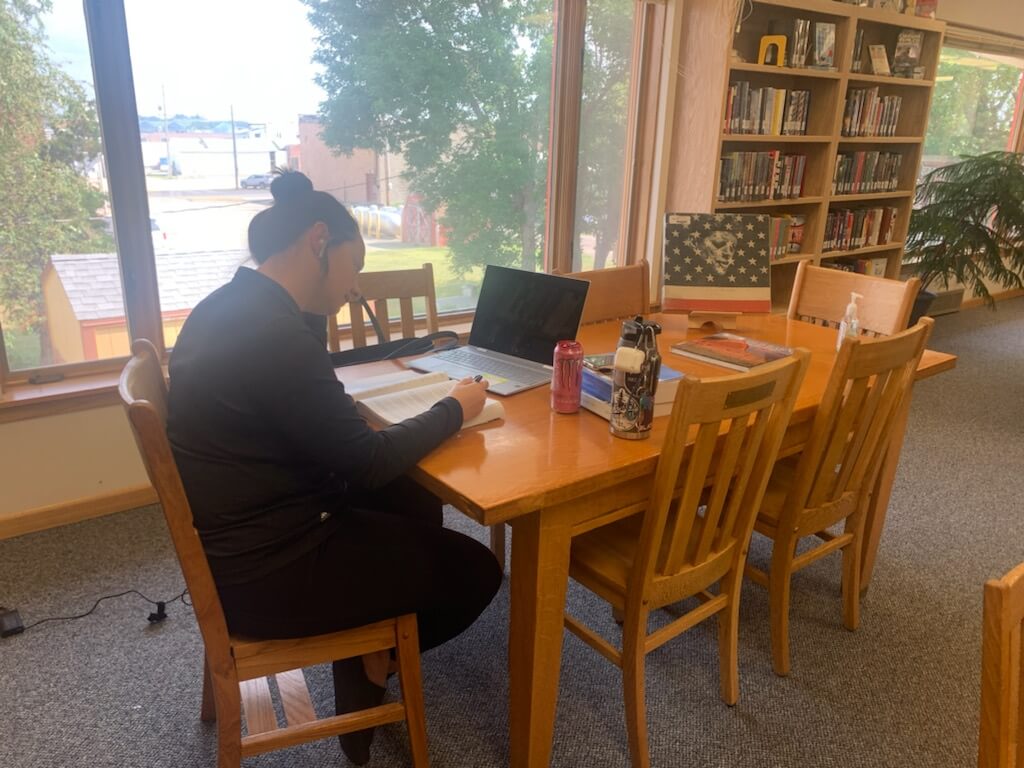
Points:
x=266, y=439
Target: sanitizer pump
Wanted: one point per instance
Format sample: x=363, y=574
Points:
x=850, y=325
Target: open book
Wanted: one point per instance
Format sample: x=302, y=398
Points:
x=394, y=397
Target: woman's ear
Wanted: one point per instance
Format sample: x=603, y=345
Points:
x=318, y=237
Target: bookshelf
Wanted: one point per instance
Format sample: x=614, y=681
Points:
x=713, y=58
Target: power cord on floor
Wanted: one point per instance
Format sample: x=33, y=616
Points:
x=154, y=617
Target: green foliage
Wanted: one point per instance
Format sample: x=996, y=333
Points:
x=970, y=223
x=48, y=132
x=972, y=107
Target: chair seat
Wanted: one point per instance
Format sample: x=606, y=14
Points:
x=781, y=480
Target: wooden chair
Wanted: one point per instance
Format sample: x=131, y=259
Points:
x=820, y=296
x=616, y=292
x=1001, y=733
x=377, y=288
x=830, y=481
x=692, y=532
x=236, y=669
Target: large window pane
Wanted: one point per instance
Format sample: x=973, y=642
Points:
x=603, y=116
x=60, y=285
x=974, y=108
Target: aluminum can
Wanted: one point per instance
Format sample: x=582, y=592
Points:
x=566, y=376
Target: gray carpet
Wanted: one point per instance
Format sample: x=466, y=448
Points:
x=113, y=690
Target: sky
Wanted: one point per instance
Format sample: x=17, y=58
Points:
x=207, y=55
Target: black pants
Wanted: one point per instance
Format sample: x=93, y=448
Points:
x=383, y=561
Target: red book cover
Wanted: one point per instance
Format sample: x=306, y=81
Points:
x=731, y=351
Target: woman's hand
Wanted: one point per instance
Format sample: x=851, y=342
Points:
x=471, y=396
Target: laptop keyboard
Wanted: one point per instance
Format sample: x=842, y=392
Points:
x=471, y=359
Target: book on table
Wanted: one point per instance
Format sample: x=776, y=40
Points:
x=731, y=351
x=394, y=397
x=597, y=380
x=603, y=408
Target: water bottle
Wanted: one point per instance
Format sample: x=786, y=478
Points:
x=566, y=377
x=635, y=380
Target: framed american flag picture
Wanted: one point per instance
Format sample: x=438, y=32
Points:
x=717, y=262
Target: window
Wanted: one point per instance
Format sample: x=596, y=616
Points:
x=976, y=106
x=452, y=165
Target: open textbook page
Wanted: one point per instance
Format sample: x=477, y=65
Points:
x=392, y=398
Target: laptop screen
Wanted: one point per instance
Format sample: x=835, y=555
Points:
x=525, y=314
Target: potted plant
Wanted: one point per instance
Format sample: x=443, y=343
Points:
x=968, y=225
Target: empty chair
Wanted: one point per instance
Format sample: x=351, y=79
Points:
x=377, y=288
x=820, y=296
x=695, y=530
x=830, y=481
x=1001, y=733
x=616, y=292
x=236, y=669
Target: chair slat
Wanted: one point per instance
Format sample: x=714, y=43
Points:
x=720, y=486
x=298, y=708
x=258, y=706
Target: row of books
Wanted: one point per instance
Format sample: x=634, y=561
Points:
x=766, y=111
x=752, y=176
x=875, y=266
x=868, y=114
x=786, y=235
x=868, y=171
x=847, y=229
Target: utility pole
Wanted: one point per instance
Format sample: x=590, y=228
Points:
x=234, y=144
x=167, y=137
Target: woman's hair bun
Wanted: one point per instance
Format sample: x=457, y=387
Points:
x=290, y=186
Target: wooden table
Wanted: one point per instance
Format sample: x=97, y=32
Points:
x=552, y=476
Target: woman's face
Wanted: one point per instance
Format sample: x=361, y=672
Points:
x=344, y=262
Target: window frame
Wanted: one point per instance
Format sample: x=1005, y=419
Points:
x=107, y=37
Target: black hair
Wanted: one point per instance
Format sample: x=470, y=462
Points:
x=297, y=207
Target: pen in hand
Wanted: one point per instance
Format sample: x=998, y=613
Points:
x=478, y=377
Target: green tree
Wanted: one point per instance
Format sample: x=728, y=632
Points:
x=462, y=90
x=48, y=133
x=972, y=106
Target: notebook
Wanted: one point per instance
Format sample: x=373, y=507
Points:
x=519, y=318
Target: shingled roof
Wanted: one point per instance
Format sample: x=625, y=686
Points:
x=92, y=281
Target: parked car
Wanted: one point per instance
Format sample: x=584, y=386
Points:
x=257, y=181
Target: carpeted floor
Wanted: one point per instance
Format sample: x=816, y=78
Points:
x=112, y=690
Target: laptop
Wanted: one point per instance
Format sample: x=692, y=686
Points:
x=519, y=318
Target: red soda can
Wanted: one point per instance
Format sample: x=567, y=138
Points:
x=566, y=376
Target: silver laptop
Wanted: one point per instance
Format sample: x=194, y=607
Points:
x=519, y=318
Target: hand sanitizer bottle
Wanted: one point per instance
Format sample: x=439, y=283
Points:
x=850, y=324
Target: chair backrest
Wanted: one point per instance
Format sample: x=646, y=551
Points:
x=144, y=394
x=1001, y=732
x=853, y=424
x=697, y=533
x=616, y=292
x=377, y=287
x=820, y=296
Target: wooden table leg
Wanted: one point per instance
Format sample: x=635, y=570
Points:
x=878, y=505
x=539, y=579
x=498, y=544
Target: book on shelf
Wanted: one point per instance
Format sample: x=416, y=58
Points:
x=731, y=351
x=875, y=266
x=823, y=53
x=847, y=229
x=756, y=176
x=603, y=408
x=765, y=111
x=394, y=397
x=801, y=43
x=858, y=51
x=906, y=59
x=865, y=172
x=717, y=262
x=879, y=60
x=787, y=234
x=598, y=384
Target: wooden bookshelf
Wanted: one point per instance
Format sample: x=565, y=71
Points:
x=712, y=56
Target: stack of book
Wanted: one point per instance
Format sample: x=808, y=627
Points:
x=731, y=351
x=596, y=394
x=787, y=235
x=751, y=176
x=766, y=111
x=868, y=114
x=862, y=172
x=848, y=229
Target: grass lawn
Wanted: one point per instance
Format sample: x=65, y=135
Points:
x=453, y=292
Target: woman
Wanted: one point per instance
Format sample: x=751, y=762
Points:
x=302, y=508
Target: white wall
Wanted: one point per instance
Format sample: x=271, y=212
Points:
x=1006, y=16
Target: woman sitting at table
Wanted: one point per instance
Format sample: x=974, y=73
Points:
x=303, y=511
